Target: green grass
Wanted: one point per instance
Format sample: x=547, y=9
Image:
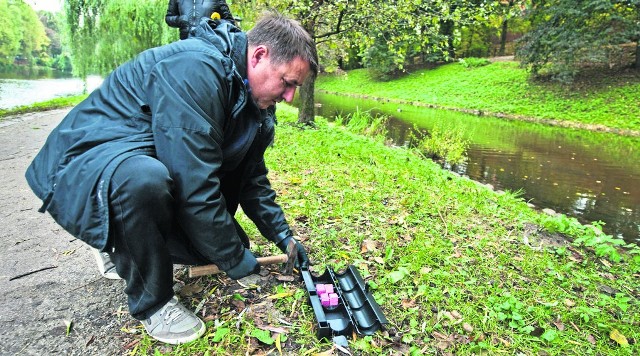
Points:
x=504, y=88
x=56, y=103
x=456, y=267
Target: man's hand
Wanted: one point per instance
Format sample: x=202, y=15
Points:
x=247, y=265
x=303, y=260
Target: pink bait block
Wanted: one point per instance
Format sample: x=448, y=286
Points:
x=329, y=288
x=333, y=300
x=321, y=289
x=325, y=300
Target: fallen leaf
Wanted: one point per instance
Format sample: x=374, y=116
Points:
x=283, y=278
x=467, y=327
x=591, y=339
x=379, y=260
x=438, y=335
x=68, y=324
x=449, y=315
x=408, y=303
x=131, y=344
x=191, y=289
x=368, y=245
x=569, y=302
x=238, y=304
x=342, y=349
x=456, y=314
x=607, y=290
x=278, y=345
x=559, y=325
x=618, y=337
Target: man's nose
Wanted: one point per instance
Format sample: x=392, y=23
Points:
x=288, y=94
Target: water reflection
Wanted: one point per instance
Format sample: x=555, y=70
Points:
x=591, y=176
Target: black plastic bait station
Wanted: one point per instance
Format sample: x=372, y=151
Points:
x=354, y=309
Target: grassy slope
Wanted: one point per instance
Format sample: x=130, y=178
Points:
x=503, y=87
x=456, y=267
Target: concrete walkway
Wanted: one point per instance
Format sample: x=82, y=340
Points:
x=48, y=278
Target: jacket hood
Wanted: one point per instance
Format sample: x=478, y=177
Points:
x=229, y=40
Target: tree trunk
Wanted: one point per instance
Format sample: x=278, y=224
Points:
x=637, y=64
x=306, y=110
x=503, y=37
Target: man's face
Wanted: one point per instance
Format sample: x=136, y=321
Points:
x=271, y=83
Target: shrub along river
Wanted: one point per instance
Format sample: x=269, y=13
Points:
x=588, y=175
x=591, y=176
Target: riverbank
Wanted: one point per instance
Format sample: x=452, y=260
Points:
x=57, y=103
x=502, y=89
x=450, y=262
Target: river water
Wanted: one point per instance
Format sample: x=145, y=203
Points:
x=587, y=175
x=20, y=91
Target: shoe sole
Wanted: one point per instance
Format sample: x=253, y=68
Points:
x=184, y=340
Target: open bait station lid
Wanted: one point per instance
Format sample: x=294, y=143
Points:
x=356, y=309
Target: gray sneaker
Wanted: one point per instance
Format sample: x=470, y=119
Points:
x=105, y=266
x=174, y=324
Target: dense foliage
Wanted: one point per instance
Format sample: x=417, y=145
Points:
x=386, y=37
x=22, y=35
x=568, y=36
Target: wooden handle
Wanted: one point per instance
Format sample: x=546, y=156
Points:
x=197, y=271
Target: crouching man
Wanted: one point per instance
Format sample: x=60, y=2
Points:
x=150, y=169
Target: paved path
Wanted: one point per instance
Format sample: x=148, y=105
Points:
x=34, y=308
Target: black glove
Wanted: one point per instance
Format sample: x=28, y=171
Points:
x=303, y=260
x=247, y=265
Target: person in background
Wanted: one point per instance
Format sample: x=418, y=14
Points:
x=186, y=14
x=150, y=169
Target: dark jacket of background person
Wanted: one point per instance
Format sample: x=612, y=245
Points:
x=186, y=14
x=143, y=107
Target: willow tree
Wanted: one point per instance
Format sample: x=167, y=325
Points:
x=103, y=34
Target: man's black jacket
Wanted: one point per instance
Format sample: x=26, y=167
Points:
x=187, y=104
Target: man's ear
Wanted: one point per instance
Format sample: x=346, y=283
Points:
x=259, y=53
